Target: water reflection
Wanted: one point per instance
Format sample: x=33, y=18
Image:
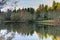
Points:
x=27, y=31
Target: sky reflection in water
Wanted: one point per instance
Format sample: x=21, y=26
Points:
x=5, y=36
x=28, y=32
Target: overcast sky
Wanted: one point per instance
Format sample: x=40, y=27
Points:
x=28, y=3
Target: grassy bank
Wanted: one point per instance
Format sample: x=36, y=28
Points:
x=49, y=22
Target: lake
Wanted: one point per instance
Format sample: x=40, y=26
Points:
x=25, y=31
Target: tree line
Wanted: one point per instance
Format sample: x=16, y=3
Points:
x=41, y=13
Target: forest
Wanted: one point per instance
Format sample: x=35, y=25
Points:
x=43, y=12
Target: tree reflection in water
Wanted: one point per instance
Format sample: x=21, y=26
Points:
x=8, y=31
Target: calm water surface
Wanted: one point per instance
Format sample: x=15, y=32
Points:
x=29, y=32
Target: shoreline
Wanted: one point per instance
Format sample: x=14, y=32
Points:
x=45, y=22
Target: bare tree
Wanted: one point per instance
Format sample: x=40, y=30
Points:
x=2, y=3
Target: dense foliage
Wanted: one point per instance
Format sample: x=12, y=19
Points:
x=41, y=13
